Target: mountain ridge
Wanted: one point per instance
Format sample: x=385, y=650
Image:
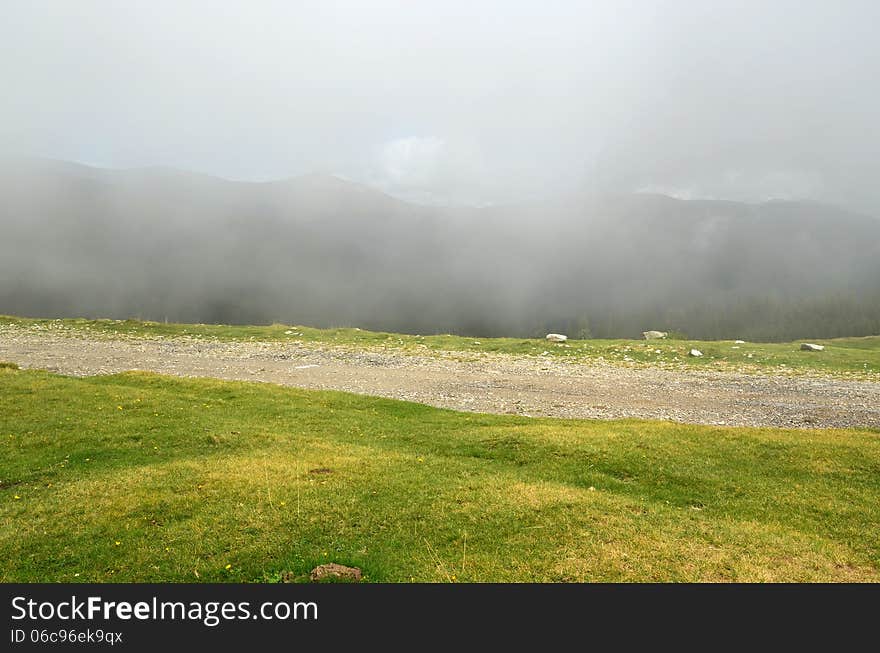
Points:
x=329, y=181
x=322, y=250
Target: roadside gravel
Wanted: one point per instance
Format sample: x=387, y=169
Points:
x=485, y=382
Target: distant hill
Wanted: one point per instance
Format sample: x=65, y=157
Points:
x=159, y=243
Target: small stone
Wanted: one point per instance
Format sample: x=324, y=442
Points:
x=556, y=337
x=652, y=335
x=696, y=353
x=739, y=342
x=333, y=571
x=808, y=346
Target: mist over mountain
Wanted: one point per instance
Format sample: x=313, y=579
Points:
x=161, y=244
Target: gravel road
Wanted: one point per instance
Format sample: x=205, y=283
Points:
x=494, y=383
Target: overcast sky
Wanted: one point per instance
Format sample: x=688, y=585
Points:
x=474, y=102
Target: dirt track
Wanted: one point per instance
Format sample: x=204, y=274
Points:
x=535, y=386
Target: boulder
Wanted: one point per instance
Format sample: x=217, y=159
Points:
x=653, y=335
x=556, y=337
x=696, y=353
x=808, y=346
x=333, y=571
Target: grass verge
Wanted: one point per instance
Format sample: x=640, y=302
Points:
x=843, y=357
x=139, y=477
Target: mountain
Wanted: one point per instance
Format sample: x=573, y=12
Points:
x=159, y=243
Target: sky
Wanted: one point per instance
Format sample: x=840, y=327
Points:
x=459, y=102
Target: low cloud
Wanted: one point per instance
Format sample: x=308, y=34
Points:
x=456, y=101
x=411, y=162
x=430, y=170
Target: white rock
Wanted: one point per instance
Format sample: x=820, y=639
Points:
x=808, y=346
x=288, y=332
x=304, y=367
x=556, y=337
x=695, y=352
x=739, y=342
x=651, y=335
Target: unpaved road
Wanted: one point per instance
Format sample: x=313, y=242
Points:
x=495, y=383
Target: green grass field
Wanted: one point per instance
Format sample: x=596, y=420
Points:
x=139, y=477
x=843, y=357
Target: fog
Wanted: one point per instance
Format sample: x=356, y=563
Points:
x=464, y=102
x=482, y=168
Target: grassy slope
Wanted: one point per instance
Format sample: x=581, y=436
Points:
x=846, y=357
x=138, y=477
